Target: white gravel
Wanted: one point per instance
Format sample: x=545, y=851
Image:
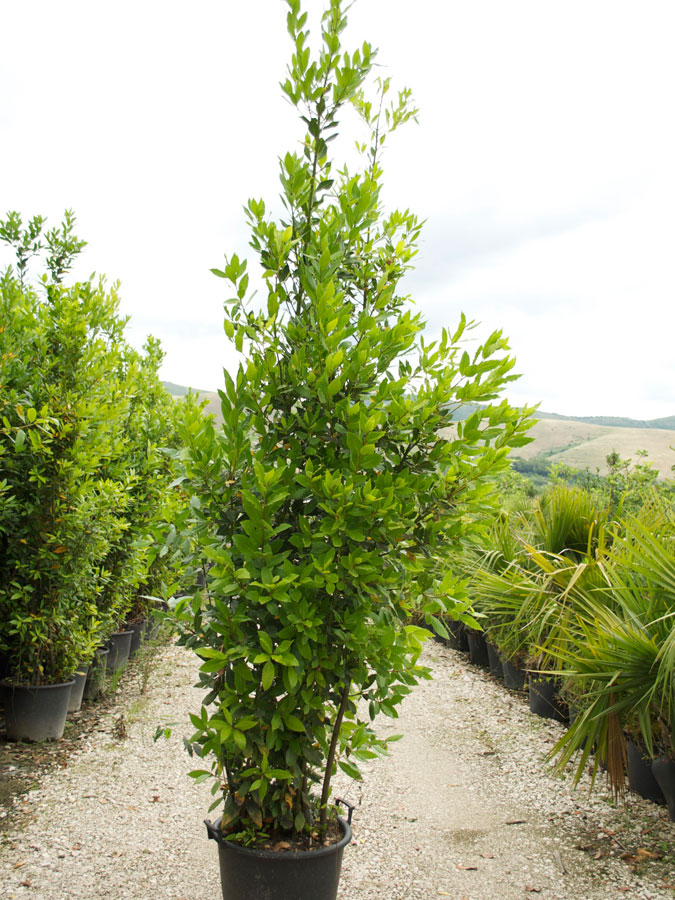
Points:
x=124, y=821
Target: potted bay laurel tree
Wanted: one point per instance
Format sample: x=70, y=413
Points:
x=325, y=504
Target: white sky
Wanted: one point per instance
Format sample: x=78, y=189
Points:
x=543, y=163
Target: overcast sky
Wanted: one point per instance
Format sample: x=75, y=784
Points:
x=543, y=163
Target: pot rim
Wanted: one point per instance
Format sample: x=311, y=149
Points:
x=215, y=834
x=35, y=687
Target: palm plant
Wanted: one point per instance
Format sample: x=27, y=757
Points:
x=622, y=656
x=526, y=583
x=569, y=522
x=487, y=564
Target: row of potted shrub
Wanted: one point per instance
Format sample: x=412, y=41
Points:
x=39, y=712
x=83, y=474
x=586, y=598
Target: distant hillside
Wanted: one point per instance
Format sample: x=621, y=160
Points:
x=180, y=390
x=176, y=390
x=213, y=404
x=614, y=421
x=582, y=443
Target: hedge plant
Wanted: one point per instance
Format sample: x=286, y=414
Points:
x=82, y=418
x=327, y=501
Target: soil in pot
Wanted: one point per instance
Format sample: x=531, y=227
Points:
x=663, y=770
x=96, y=675
x=120, y=645
x=35, y=713
x=640, y=776
x=478, y=649
x=545, y=700
x=248, y=872
x=495, y=661
x=515, y=678
x=77, y=690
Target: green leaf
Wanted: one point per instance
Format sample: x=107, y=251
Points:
x=350, y=769
x=282, y=774
x=267, y=675
x=286, y=659
x=212, y=665
x=199, y=775
x=265, y=642
x=294, y=723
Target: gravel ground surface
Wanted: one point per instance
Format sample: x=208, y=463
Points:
x=464, y=808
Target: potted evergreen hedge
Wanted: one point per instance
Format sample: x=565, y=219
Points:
x=58, y=346
x=82, y=476
x=326, y=502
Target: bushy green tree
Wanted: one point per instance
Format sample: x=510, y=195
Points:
x=326, y=503
x=82, y=417
x=59, y=425
x=132, y=571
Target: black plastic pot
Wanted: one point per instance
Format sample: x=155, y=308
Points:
x=663, y=770
x=250, y=874
x=640, y=776
x=478, y=649
x=96, y=675
x=544, y=699
x=515, y=678
x=151, y=628
x=138, y=634
x=35, y=713
x=494, y=660
x=77, y=690
x=457, y=638
x=120, y=645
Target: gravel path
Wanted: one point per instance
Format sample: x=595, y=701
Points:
x=464, y=808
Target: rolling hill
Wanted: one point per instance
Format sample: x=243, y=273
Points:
x=582, y=443
x=667, y=423
x=213, y=400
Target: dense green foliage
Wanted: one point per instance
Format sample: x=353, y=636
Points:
x=82, y=420
x=326, y=503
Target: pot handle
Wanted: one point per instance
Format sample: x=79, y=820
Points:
x=212, y=830
x=349, y=806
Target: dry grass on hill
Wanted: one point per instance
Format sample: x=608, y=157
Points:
x=574, y=443
x=584, y=446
